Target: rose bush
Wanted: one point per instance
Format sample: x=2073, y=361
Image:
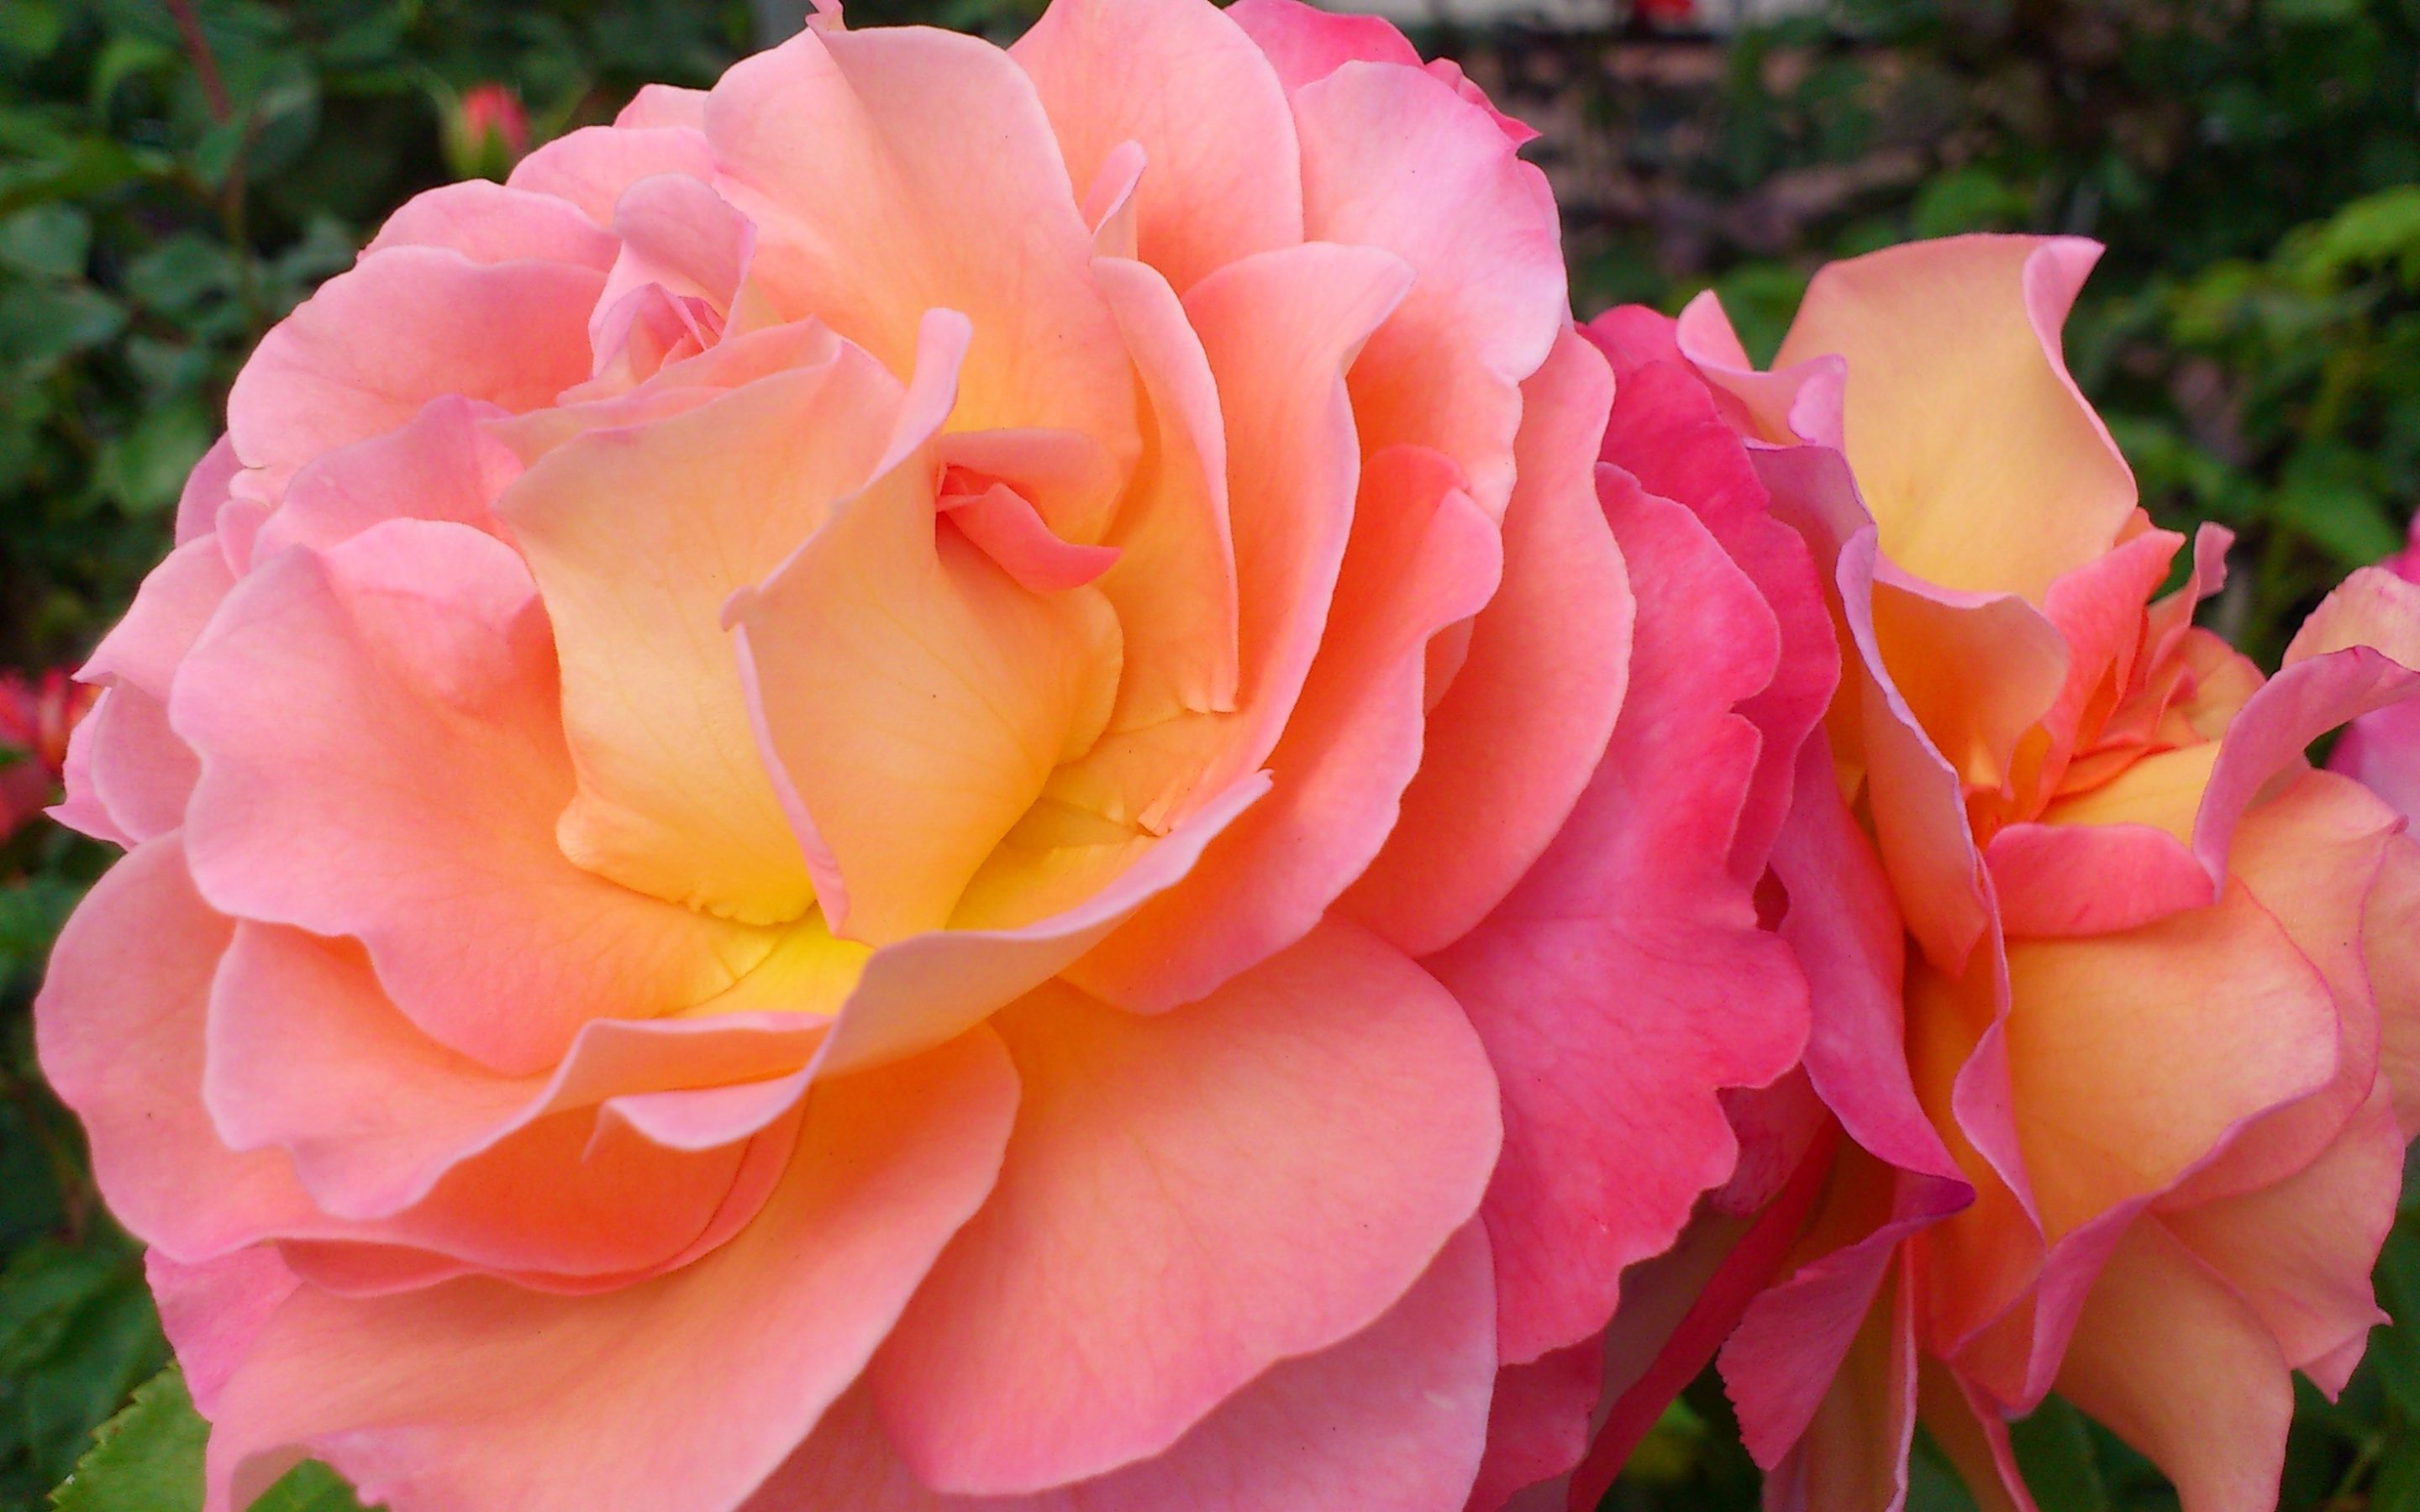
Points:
x=934, y=779
x=2116, y=999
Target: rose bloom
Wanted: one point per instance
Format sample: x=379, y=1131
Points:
x=2116, y=1039
x=2383, y=749
x=935, y=779
x=38, y=716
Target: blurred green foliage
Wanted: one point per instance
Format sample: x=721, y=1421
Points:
x=2253, y=337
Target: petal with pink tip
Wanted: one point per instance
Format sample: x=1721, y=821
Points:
x=1513, y=741
x=1612, y=1128
x=138, y=771
x=638, y=537
x=1962, y=418
x=1393, y=158
x=119, y=1027
x=2299, y=1252
x=850, y=153
x=591, y=167
x=1174, y=584
x=1221, y=175
x=2131, y=1056
x=380, y=758
x=1391, y=1416
x=306, y=1053
x=489, y=223
x=206, y=488
x=1163, y=1171
x=2178, y=1366
x=1307, y=44
x=1278, y=330
x=693, y=1385
x=915, y=697
x=211, y=1312
x=441, y=465
x=1422, y=557
x=361, y=356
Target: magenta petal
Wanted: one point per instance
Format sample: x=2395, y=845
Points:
x=1612, y=1126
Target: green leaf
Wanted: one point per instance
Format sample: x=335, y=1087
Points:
x=39, y=323
x=144, y=469
x=32, y=28
x=148, y=1456
x=309, y=1487
x=2055, y=1454
x=2327, y=495
x=46, y=241
x=148, y=1459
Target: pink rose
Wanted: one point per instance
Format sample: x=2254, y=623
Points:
x=38, y=717
x=486, y=132
x=2116, y=999
x=930, y=780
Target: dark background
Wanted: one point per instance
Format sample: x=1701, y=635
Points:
x=2253, y=337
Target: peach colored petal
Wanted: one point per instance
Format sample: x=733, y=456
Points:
x=1391, y=1416
x=930, y=987
x=1393, y=158
x=1919, y=806
x=1278, y=328
x=1962, y=419
x=413, y=324
x=2312, y=856
x=489, y=223
x=81, y=809
x=1159, y=1172
x=1513, y=741
x=2173, y=1361
x=1221, y=175
x=119, y=1026
x=592, y=165
x=1174, y=583
x=1421, y=557
x=636, y=539
x=2131, y=1054
x=2299, y=1252
x=692, y=1387
x=850, y=153
x=1612, y=1128
x=380, y=758
x=915, y=699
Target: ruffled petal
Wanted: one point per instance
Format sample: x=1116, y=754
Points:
x=381, y=759
x=1612, y=1128
x=1962, y=419
x=638, y=537
x=691, y=1387
x=1512, y=742
x=1248, y=1179
x=1221, y=174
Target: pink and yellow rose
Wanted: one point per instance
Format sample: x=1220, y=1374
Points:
x=937, y=780
x=2115, y=1039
